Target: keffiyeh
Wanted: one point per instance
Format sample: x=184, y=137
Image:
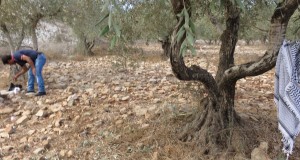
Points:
x=287, y=93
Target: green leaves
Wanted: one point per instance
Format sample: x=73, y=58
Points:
x=104, y=30
x=106, y=4
x=111, y=24
x=109, y=20
x=102, y=19
x=180, y=34
x=186, y=33
x=113, y=27
x=117, y=30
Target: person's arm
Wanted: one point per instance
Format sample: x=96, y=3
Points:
x=24, y=70
x=30, y=62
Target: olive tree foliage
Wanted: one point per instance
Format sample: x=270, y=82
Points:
x=294, y=27
x=82, y=17
x=11, y=25
x=255, y=20
x=153, y=21
x=206, y=31
x=24, y=16
x=149, y=20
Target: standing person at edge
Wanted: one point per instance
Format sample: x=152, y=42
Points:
x=36, y=61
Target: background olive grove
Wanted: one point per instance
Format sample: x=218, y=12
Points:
x=138, y=20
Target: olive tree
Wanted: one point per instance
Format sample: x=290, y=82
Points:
x=82, y=17
x=213, y=124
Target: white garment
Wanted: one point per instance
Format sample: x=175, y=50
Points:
x=287, y=93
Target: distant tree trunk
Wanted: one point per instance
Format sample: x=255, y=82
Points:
x=21, y=38
x=88, y=46
x=7, y=35
x=264, y=39
x=34, y=21
x=15, y=68
x=166, y=46
x=85, y=45
x=213, y=124
x=34, y=40
x=248, y=42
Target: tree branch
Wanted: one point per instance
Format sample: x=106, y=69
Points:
x=182, y=72
x=277, y=32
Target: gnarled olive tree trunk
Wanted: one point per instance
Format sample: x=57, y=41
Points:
x=212, y=126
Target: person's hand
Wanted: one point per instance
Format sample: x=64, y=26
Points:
x=15, y=77
x=33, y=71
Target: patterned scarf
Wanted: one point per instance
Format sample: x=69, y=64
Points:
x=287, y=93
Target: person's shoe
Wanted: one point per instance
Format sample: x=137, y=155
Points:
x=30, y=92
x=40, y=94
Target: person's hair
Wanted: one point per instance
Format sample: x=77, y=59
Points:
x=5, y=59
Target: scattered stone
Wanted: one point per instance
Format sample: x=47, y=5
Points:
x=157, y=100
x=38, y=150
x=4, y=93
x=10, y=129
x=31, y=132
x=71, y=90
x=58, y=131
x=123, y=110
x=71, y=100
x=70, y=153
x=76, y=118
x=4, y=135
x=30, y=94
x=139, y=111
x=7, y=149
x=6, y=110
x=125, y=98
x=56, y=107
x=46, y=144
x=23, y=140
x=24, y=147
x=118, y=122
x=1, y=99
x=145, y=125
x=62, y=153
x=8, y=157
x=155, y=156
x=260, y=153
x=154, y=81
x=41, y=113
x=118, y=88
x=254, y=118
x=240, y=157
x=22, y=119
x=59, y=122
x=13, y=118
x=26, y=113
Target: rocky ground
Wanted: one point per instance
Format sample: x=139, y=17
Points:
x=111, y=107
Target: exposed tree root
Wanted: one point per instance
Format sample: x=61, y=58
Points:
x=210, y=133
